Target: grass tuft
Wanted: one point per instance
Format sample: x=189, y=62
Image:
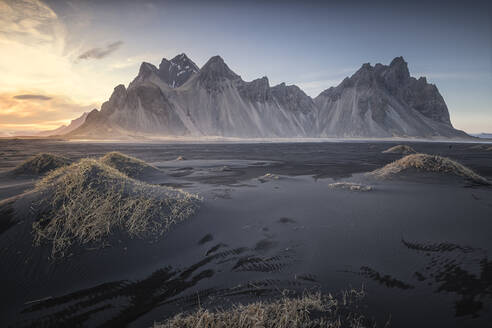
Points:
x=309, y=310
x=400, y=149
x=430, y=163
x=88, y=200
x=41, y=163
x=131, y=166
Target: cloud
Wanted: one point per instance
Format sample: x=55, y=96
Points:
x=30, y=114
x=32, y=97
x=29, y=21
x=99, y=53
x=39, y=52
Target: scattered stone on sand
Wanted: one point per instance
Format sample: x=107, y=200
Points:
x=268, y=177
x=41, y=164
x=400, y=149
x=429, y=163
x=286, y=220
x=350, y=186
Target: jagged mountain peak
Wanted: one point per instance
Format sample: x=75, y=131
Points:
x=147, y=68
x=183, y=60
x=179, y=62
x=395, y=102
x=398, y=71
x=92, y=116
x=216, y=69
x=257, y=90
x=119, y=88
x=177, y=71
x=174, y=72
x=292, y=97
x=283, y=87
x=145, y=73
x=398, y=61
x=376, y=101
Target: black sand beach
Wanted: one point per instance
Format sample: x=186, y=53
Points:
x=418, y=243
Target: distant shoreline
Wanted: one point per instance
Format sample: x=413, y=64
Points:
x=210, y=139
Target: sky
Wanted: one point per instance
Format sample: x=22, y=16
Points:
x=59, y=59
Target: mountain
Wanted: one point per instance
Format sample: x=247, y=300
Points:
x=64, y=129
x=384, y=101
x=178, y=99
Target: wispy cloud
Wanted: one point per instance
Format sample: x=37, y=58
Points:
x=36, y=55
x=26, y=111
x=32, y=97
x=99, y=53
x=29, y=20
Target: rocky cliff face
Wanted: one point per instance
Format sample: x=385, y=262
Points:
x=384, y=101
x=178, y=99
x=177, y=71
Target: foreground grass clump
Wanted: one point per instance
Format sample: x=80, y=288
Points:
x=41, y=163
x=310, y=310
x=131, y=166
x=430, y=163
x=88, y=200
x=400, y=149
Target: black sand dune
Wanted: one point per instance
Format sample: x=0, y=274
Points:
x=40, y=164
x=429, y=163
x=131, y=166
x=400, y=149
x=85, y=202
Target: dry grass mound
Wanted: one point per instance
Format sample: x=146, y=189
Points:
x=350, y=186
x=131, y=166
x=310, y=310
x=88, y=200
x=41, y=163
x=429, y=163
x=400, y=149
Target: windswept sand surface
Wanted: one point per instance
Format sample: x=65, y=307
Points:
x=419, y=243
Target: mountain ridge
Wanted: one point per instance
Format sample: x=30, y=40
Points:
x=64, y=129
x=179, y=99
